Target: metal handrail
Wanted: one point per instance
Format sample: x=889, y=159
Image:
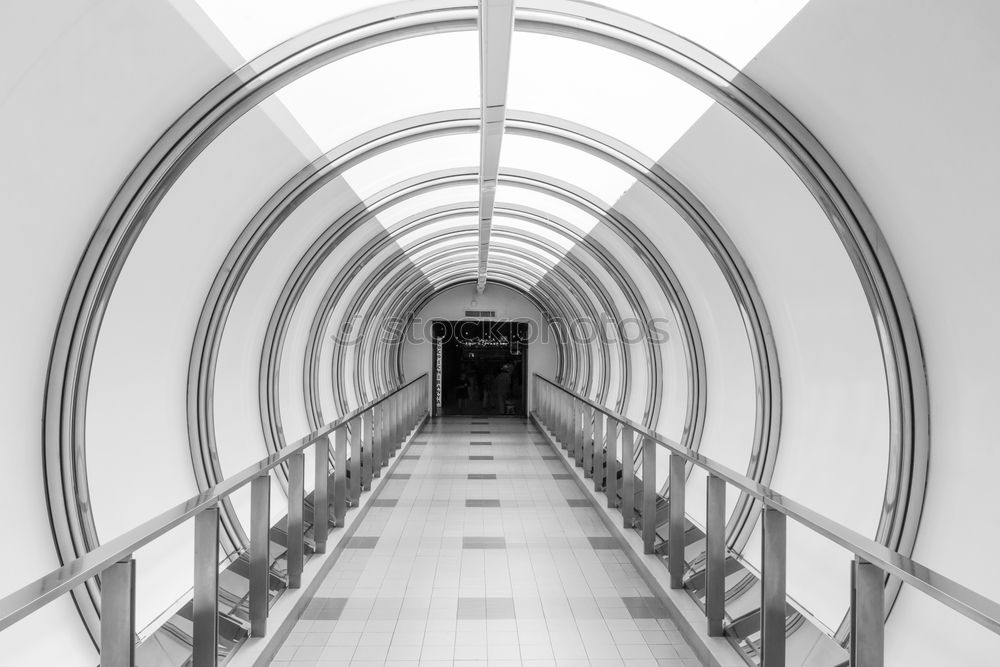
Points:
x=967, y=602
x=37, y=594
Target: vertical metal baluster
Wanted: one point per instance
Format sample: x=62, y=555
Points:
x=397, y=419
x=598, y=450
x=260, y=553
x=648, y=495
x=589, y=418
x=321, y=501
x=715, y=554
x=611, y=465
x=385, y=438
x=296, y=475
x=772, y=603
x=339, y=476
x=579, y=435
x=355, y=461
x=377, y=440
x=675, y=539
x=393, y=429
x=867, y=614
x=118, y=614
x=628, y=476
x=567, y=407
x=205, y=605
x=367, y=445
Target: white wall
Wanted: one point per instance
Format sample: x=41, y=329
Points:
x=899, y=92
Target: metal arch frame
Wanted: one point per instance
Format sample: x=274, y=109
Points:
x=338, y=285
x=386, y=271
x=508, y=236
x=90, y=291
x=411, y=189
x=877, y=271
x=327, y=167
x=313, y=378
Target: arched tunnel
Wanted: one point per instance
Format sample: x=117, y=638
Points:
x=757, y=237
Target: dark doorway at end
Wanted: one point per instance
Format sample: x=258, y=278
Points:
x=480, y=367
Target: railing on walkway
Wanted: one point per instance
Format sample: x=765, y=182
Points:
x=376, y=431
x=589, y=432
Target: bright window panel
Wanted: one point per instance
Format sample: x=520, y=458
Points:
x=439, y=228
x=562, y=210
x=602, y=89
x=559, y=244
x=736, y=30
x=567, y=164
x=385, y=84
x=459, y=194
x=254, y=26
x=398, y=164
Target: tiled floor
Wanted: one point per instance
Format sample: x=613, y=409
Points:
x=483, y=554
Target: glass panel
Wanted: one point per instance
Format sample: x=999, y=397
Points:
x=384, y=84
x=733, y=29
x=421, y=157
x=602, y=89
x=566, y=164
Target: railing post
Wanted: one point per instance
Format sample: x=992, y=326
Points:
x=367, y=447
x=355, y=426
x=648, y=495
x=628, y=476
x=675, y=538
x=772, y=604
x=118, y=614
x=377, y=440
x=296, y=488
x=598, y=449
x=321, y=501
x=395, y=427
x=715, y=554
x=589, y=436
x=388, y=446
x=260, y=553
x=579, y=432
x=205, y=605
x=867, y=614
x=339, y=476
x=611, y=463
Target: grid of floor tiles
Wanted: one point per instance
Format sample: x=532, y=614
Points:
x=481, y=550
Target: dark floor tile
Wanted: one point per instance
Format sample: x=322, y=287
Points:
x=480, y=432
x=385, y=502
x=480, y=458
x=551, y=457
x=400, y=475
x=604, y=543
x=484, y=543
x=480, y=475
x=579, y=502
x=409, y=457
x=481, y=443
x=562, y=475
x=645, y=607
x=471, y=609
x=499, y=608
x=365, y=542
x=540, y=443
x=482, y=502
x=324, y=609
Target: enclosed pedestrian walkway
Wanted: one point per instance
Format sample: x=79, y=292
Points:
x=482, y=548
